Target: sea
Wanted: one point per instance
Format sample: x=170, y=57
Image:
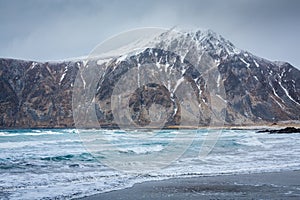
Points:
x=59, y=163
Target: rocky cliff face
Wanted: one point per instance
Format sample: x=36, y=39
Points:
x=255, y=90
x=36, y=94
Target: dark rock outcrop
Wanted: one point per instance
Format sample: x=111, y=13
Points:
x=284, y=130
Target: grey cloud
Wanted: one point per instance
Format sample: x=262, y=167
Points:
x=56, y=29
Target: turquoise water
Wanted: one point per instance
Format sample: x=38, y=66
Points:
x=57, y=163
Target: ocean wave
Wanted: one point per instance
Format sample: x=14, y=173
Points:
x=59, y=167
x=76, y=157
x=141, y=149
x=35, y=132
x=35, y=143
x=253, y=141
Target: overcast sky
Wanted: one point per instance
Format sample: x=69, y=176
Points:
x=57, y=29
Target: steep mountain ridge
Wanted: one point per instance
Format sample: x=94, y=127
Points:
x=37, y=94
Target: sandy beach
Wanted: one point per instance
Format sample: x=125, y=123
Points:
x=275, y=185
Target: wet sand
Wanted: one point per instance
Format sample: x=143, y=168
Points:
x=279, y=185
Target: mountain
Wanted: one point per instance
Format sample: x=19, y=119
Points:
x=226, y=85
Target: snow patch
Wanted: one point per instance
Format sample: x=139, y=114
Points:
x=178, y=83
x=33, y=65
x=83, y=81
x=175, y=110
x=219, y=80
x=281, y=106
x=271, y=72
x=287, y=93
x=274, y=92
x=103, y=61
x=65, y=72
x=121, y=58
x=183, y=71
x=62, y=77
x=85, y=63
x=256, y=64
x=220, y=97
x=247, y=64
x=138, y=75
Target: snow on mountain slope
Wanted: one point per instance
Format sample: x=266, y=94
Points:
x=39, y=94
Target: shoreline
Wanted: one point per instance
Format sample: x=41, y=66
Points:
x=264, y=185
x=171, y=127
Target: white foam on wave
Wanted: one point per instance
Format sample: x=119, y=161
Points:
x=35, y=133
x=236, y=152
x=250, y=142
x=30, y=143
x=141, y=149
x=8, y=134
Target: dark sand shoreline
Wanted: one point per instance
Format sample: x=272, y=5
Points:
x=269, y=185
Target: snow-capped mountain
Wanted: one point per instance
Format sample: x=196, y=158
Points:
x=229, y=84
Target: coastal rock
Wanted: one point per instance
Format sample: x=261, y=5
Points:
x=284, y=130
